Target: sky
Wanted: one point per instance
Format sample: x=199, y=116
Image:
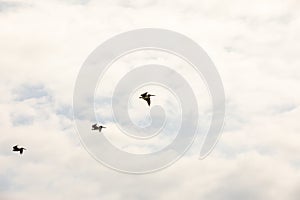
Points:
x=254, y=46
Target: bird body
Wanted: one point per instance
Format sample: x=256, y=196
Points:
x=146, y=97
x=16, y=148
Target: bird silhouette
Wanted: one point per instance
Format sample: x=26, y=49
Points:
x=146, y=97
x=95, y=127
x=16, y=148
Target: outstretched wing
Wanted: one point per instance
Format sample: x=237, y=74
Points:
x=94, y=126
x=148, y=101
x=144, y=95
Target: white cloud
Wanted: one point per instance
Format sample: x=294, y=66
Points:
x=254, y=46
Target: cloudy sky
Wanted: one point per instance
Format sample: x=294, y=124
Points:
x=254, y=45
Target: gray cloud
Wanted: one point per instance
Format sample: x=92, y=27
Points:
x=19, y=120
x=7, y=5
x=30, y=91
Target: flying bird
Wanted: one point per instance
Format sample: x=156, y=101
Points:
x=146, y=97
x=95, y=127
x=16, y=148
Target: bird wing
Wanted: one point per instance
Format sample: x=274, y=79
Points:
x=94, y=125
x=148, y=101
x=144, y=95
x=21, y=151
x=15, y=147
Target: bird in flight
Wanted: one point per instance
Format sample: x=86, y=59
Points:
x=95, y=127
x=146, y=97
x=16, y=148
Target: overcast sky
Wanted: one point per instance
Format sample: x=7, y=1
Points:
x=255, y=47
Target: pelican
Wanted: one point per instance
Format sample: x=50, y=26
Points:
x=16, y=148
x=95, y=127
x=146, y=97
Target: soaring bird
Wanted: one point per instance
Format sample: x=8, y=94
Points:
x=16, y=148
x=146, y=97
x=95, y=127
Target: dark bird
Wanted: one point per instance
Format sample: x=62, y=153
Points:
x=16, y=148
x=146, y=97
x=95, y=127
